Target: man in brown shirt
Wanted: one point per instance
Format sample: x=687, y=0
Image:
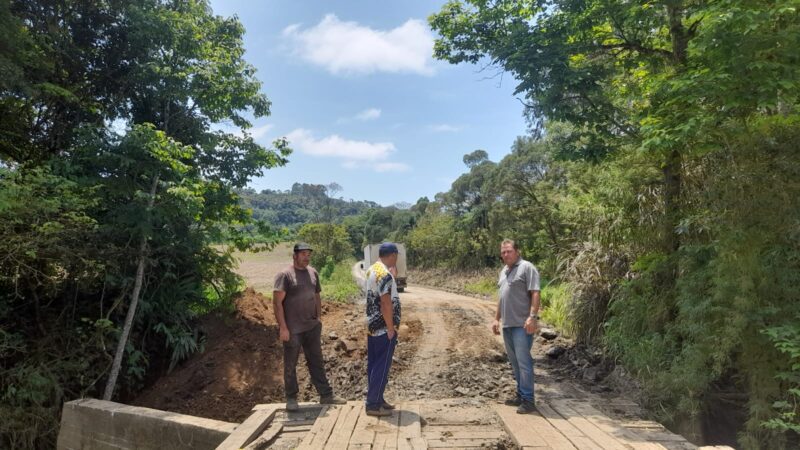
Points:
x=298, y=306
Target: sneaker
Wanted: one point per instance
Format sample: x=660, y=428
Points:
x=514, y=401
x=387, y=405
x=380, y=412
x=332, y=400
x=526, y=407
x=291, y=404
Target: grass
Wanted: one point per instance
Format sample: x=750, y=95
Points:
x=484, y=286
x=340, y=287
x=555, y=307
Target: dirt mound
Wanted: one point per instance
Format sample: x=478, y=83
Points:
x=240, y=367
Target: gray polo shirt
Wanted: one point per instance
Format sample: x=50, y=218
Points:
x=516, y=283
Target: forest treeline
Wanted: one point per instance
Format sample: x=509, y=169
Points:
x=110, y=168
x=660, y=183
x=658, y=186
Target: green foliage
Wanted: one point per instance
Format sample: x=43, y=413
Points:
x=340, y=286
x=556, y=300
x=662, y=188
x=302, y=204
x=786, y=339
x=329, y=241
x=485, y=286
x=73, y=195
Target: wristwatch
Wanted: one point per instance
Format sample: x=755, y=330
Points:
x=535, y=316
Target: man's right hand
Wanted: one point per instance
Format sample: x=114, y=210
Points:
x=285, y=336
x=390, y=334
x=496, y=326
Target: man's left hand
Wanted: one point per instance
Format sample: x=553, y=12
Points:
x=531, y=325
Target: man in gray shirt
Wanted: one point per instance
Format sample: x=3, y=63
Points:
x=298, y=305
x=518, y=309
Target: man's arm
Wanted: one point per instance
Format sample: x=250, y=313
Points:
x=388, y=314
x=318, y=304
x=496, y=323
x=277, y=304
x=532, y=324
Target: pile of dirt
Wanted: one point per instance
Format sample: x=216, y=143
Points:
x=242, y=364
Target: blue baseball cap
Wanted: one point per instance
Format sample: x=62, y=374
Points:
x=387, y=248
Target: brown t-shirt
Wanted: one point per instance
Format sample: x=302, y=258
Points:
x=299, y=305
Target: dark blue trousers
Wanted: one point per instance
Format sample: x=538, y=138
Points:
x=379, y=360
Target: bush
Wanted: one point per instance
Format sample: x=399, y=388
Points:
x=340, y=285
x=328, y=240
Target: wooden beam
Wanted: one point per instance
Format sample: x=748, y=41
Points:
x=248, y=430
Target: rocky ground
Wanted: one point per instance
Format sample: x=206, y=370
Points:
x=446, y=357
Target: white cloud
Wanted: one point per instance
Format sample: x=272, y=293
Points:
x=354, y=154
x=349, y=48
x=363, y=116
x=369, y=114
x=336, y=146
x=260, y=132
x=444, y=128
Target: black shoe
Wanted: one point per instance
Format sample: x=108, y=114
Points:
x=514, y=401
x=291, y=404
x=380, y=412
x=527, y=407
x=387, y=405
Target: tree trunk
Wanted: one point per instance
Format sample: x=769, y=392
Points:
x=673, y=167
x=137, y=289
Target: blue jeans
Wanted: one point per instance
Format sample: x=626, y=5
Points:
x=518, y=348
x=379, y=360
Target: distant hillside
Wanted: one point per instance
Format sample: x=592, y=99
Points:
x=304, y=203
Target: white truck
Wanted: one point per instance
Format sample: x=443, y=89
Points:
x=371, y=255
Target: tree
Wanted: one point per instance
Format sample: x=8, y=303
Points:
x=329, y=241
x=136, y=212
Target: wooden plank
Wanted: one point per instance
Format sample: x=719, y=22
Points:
x=327, y=419
x=578, y=439
x=409, y=435
x=418, y=443
x=558, y=422
x=428, y=435
x=314, y=430
x=630, y=437
x=412, y=434
x=531, y=430
x=248, y=430
x=460, y=443
x=386, y=435
x=303, y=405
x=605, y=441
x=345, y=425
x=460, y=427
x=359, y=447
x=269, y=434
x=299, y=423
x=364, y=433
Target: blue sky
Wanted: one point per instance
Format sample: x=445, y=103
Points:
x=355, y=89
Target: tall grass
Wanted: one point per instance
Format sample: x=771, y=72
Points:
x=555, y=307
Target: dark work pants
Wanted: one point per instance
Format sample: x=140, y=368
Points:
x=379, y=360
x=310, y=342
